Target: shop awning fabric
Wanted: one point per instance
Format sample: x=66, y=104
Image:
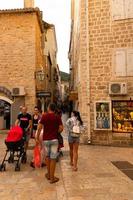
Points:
x=73, y=96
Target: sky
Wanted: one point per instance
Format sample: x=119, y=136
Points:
x=55, y=12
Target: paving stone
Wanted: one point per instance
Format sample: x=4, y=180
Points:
x=96, y=178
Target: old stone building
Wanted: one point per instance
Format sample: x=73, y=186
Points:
x=24, y=79
x=52, y=81
x=64, y=86
x=101, y=65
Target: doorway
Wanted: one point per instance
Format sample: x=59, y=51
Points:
x=5, y=114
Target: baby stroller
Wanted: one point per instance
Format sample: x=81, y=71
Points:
x=15, y=149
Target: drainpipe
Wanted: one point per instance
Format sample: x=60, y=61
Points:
x=88, y=69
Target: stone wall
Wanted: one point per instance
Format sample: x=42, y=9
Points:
x=18, y=57
x=104, y=37
x=96, y=71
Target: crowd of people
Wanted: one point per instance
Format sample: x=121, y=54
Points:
x=45, y=129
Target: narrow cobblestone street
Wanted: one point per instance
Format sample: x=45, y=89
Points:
x=96, y=179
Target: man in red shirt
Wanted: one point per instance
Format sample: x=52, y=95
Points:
x=52, y=125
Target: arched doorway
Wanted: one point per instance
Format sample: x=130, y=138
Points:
x=5, y=112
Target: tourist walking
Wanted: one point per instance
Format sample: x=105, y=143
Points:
x=74, y=125
x=51, y=124
x=25, y=122
x=60, y=137
x=35, y=120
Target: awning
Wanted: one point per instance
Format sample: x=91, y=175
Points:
x=73, y=96
x=43, y=94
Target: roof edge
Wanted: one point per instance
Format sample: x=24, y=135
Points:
x=26, y=10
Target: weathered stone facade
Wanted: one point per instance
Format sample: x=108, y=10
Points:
x=51, y=68
x=28, y=61
x=103, y=32
x=20, y=52
x=64, y=86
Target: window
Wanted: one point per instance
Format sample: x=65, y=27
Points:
x=128, y=8
x=130, y=62
x=123, y=62
x=122, y=9
x=102, y=115
x=122, y=116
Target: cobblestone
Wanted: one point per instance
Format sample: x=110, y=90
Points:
x=96, y=179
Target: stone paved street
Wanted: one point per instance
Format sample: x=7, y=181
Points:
x=96, y=179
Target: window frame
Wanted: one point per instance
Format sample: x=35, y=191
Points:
x=118, y=121
x=126, y=50
x=125, y=14
x=110, y=115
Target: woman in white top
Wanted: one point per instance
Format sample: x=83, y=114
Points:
x=73, y=139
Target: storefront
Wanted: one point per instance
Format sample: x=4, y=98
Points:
x=113, y=122
x=6, y=101
x=103, y=115
x=43, y=100
x=73, y=100
x=116, y=116
x=122, y=116
x=5, y=113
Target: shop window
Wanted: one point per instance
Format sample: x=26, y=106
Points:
x=2, y=104
x=4, y=115
x=122, y=116
x=102, y=117
x=122, y=9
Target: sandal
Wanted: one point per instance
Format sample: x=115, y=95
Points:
x=54, y=180
x=47, y=176
x=43, y=165
x=32, y=165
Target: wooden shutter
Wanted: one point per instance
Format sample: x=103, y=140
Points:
x=120, y=63
x=130, y=62
x=117, y=9
x=129, y=8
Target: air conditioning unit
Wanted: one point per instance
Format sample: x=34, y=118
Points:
x=118, y=88
x=18, y=91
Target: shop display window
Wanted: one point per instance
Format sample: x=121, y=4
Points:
x=2, y=104
x=122, y=116
x=102, y=116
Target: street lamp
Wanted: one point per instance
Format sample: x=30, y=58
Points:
x=40, y=75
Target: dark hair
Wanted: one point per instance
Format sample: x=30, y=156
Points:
x=52, y=107
x=77, y=115
x=36, y=107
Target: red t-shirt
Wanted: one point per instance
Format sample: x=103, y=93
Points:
x=51, y=123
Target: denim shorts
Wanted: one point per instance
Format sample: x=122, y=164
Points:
x=73, y=139
x=27, y=137
x=51, y=148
